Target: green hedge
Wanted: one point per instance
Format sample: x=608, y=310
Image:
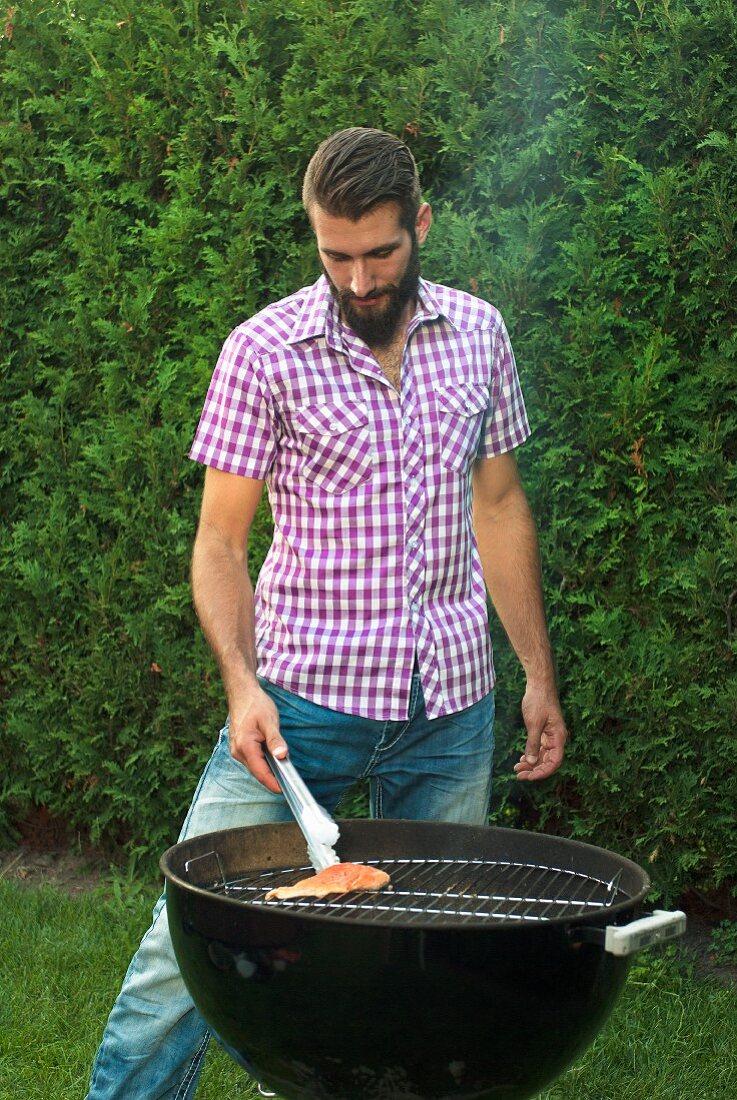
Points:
x=581, y=159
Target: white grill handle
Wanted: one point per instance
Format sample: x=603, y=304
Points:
x=659, y=927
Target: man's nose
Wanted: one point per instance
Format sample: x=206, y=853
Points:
x=362, y=281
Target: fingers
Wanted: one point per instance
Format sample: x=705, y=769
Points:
x=253, y=725
x=544, y=764
x=546, y=737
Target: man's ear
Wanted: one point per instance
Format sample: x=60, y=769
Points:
x=423, y=222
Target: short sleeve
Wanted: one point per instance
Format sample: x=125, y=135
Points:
x=506, y=425
x=236, y=430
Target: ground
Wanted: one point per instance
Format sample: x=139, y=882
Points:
x=76, y=873
x=70, y=872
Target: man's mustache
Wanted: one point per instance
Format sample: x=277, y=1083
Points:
x=347, y=296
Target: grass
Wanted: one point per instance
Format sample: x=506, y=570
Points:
x=61, y=962
x=671, y=1037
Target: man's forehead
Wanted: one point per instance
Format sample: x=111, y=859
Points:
x=380, y=226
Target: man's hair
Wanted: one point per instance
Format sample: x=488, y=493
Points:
x=357, y=169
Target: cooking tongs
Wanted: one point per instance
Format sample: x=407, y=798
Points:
x=320, y=831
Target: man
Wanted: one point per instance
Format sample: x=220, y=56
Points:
x=381, y=412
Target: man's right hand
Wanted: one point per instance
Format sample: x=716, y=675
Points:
x=254, y=721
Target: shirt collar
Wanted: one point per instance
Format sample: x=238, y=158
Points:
x=319, y=315
x=428, y=307
x=313, y=318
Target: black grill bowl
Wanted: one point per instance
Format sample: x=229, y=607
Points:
x=317, y=1004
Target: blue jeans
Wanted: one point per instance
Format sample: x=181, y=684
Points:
x=155, y=1040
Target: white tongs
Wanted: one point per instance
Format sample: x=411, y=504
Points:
x=320, y=831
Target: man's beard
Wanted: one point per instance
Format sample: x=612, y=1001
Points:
x=377, y=326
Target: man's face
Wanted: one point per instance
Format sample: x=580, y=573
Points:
x=373, y=267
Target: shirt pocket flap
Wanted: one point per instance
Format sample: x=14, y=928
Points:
x=330, y=418
x=465, y=399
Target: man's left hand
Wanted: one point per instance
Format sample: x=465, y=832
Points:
x=546, y=734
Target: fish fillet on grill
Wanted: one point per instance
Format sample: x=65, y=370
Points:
x=341, y=878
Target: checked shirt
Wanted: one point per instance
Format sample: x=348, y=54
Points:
x=373, y=562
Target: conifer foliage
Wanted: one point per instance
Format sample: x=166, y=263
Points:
x=581, y=159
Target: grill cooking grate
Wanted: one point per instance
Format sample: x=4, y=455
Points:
x=438, y=890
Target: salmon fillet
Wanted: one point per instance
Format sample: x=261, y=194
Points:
x=338, y=879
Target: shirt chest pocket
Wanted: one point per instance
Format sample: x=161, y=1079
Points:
x=459, y=417
x=334, y=444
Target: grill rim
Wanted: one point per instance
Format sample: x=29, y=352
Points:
x=396, y=919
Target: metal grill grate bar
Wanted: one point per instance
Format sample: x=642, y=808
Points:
x=463, y=890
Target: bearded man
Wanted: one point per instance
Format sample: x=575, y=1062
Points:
x=381, y=412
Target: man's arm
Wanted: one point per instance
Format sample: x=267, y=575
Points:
x=223, y=597
x=510, y=556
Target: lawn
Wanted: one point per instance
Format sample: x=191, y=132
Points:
x=671, y=1037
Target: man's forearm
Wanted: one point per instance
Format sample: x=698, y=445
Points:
x=223, y=598
x=510, y=558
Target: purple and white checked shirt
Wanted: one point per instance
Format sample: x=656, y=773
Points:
x=373, y=559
